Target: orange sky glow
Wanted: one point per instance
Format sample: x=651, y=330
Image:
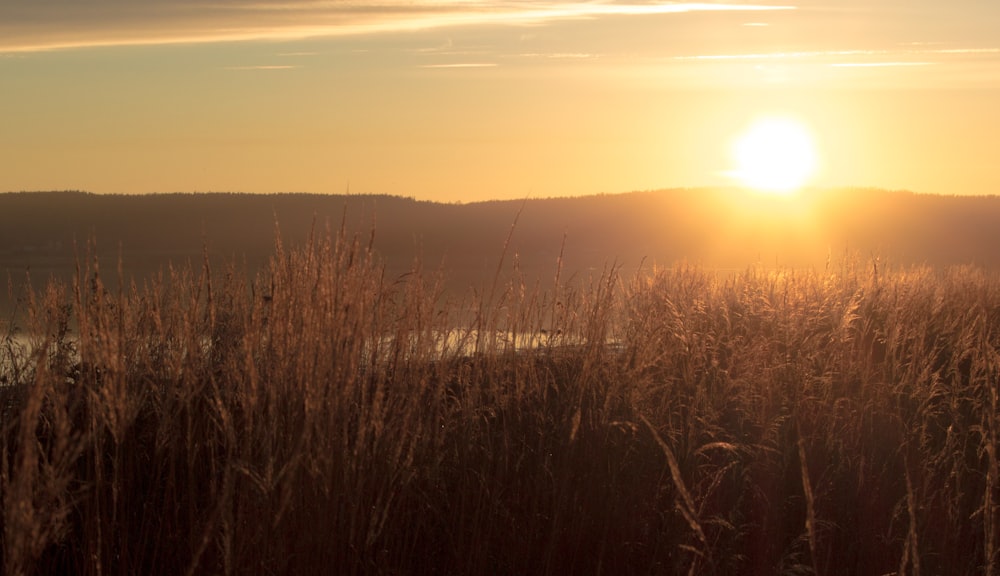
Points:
x=472, y=100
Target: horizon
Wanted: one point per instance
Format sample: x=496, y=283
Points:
x=451, y=102
x=802, y=194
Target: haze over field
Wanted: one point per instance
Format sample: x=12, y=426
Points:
x=46, y=235
x=459, y=101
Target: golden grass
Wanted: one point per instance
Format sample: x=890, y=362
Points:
x=325, y=418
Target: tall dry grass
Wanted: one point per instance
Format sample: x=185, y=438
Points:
x=323, y=417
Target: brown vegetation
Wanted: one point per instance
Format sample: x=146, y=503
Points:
x=326, y=417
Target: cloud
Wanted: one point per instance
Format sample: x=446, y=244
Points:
x=462, y=65
x=908, y=66
x=558, y=55
x=35, y=25
x=878, y=64
x=776, y=55
x=263, y=67
x=858, y=54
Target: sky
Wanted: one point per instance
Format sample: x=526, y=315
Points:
x=466, y=100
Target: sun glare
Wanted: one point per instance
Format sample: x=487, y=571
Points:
x=774, y=155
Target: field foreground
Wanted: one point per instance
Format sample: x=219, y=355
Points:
x=323, y=418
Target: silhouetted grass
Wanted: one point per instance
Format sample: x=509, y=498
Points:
x=324, y=418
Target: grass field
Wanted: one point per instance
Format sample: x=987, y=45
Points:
x=323, y=418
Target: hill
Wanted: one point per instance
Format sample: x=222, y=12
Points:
x=43, y=234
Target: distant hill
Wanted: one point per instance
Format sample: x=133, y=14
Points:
x=44, y=233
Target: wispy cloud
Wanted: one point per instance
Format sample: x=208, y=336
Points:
x=966, y=51
x=780, y=55
x=461, y=65
x=909, y=66
x=263, y=67
x=32, y=25
x=901, y=54
x=878, y=64
x=558, y=55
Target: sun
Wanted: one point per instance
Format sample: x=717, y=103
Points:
x=774, y=155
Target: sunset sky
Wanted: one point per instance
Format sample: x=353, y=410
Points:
x=467, y=100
